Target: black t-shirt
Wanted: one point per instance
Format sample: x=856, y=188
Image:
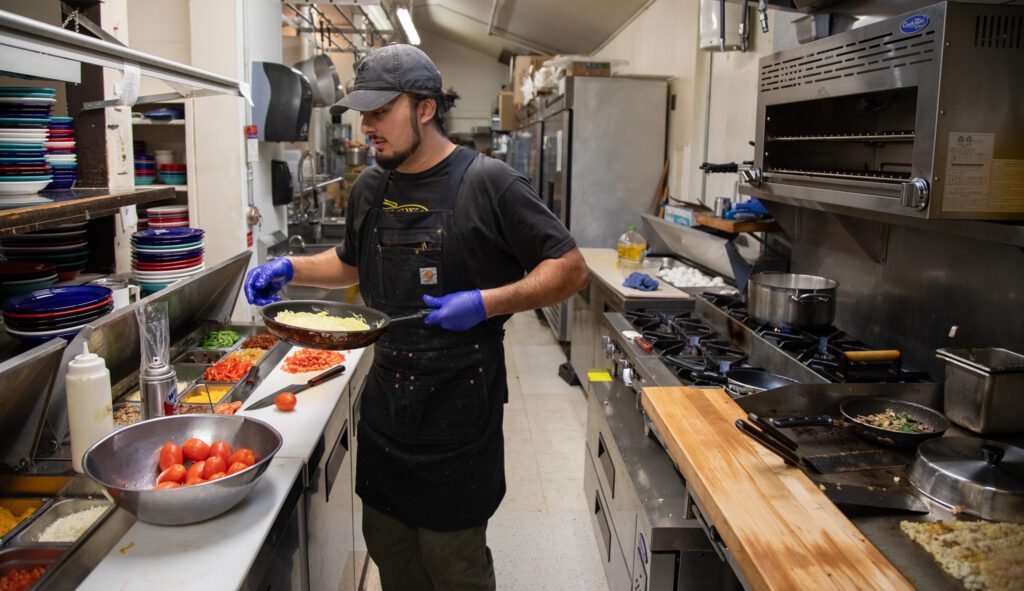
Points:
x=507, y=227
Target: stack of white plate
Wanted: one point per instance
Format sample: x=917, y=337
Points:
x=167, y=216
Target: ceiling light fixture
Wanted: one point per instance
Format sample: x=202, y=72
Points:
x=410, y=29
x=378, y=17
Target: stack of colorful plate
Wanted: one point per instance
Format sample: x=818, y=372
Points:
x=145, y=169
x=165, y=255
x=167, y=216
x=64, y=246
x=21, y=277
x=173, y=174
x=55, y=312
x=61, y=157
x=24, y=122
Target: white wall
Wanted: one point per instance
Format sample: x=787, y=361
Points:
x=477, y=78
x=159, y=28
x=663, y=40
x=263, y=44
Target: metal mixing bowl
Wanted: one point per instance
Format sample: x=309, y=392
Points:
x=126, y=463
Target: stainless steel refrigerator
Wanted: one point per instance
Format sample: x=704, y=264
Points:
x=603, y=150
x=525, y=150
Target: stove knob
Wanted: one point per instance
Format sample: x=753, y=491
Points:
x=609, y=346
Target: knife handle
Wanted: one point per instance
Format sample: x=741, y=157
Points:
x=771, y=431
x=787, y=455
x=331, y=373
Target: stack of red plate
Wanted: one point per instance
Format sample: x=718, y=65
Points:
x=167, y=216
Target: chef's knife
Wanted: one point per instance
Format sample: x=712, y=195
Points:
x=296, y=388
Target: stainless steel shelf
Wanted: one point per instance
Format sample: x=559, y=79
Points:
x=38, y=50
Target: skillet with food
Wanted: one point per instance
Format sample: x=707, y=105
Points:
x=376, y=322
x=894, y=423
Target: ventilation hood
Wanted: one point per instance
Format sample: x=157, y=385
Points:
x=568, y=26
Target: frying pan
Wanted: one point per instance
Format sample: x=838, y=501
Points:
x=331, y=339
x=851, y=408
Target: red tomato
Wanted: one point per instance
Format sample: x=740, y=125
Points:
x=222, y=449
x=175, y=473
x=217, y=476
x=213, y=465
x=237, y=467
x=196, y=450
x=194, y=481
x=285, y=401
x=236, y=405
x=170, y=454
x=167, y=485
x=195, y=471
x=244, y=455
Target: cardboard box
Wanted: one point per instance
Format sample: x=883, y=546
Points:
x=600, y=69
x=684, y=216
x=522, y=66
x=506, y=111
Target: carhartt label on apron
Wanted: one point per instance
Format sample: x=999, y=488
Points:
x=428, y=276
x=968, y=171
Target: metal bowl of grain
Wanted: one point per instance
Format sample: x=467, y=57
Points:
x=126, y=463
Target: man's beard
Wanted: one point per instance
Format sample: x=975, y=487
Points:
x=393, y=162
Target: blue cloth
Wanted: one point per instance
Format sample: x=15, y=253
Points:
x=263, y=282
x=641, y=281
x=457, y=311
x=750, y=210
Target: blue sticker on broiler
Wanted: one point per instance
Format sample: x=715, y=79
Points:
x=913, y=24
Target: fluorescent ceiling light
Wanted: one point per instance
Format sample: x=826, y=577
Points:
x=410, y=29
x=378, y=17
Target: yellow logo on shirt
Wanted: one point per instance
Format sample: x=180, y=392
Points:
x=390, y=205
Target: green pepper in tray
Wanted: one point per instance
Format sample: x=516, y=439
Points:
x=220, y=339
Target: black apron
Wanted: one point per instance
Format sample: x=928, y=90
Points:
x=430, y=439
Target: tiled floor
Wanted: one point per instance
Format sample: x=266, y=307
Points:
x=541, y=536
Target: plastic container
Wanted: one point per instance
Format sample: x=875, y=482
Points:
x=90, y=406
x=632, y=246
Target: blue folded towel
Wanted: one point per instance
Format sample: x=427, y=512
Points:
x=641, y=281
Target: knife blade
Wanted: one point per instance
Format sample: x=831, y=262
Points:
x=297, y=388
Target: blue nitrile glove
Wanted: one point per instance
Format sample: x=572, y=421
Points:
x=263, y=282
x=641, y=281
x=457, y=311
x=752, y=209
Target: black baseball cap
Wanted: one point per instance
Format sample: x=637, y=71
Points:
x=387, y=72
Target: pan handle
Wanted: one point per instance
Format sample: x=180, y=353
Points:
x=883, y=355
x=818, y=421
x=787, y=455
x=813, y=296
x=418, y=315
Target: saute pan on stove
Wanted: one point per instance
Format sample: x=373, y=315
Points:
x=331, y=339
x=851, y=408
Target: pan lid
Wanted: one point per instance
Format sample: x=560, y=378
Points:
x=977, y=476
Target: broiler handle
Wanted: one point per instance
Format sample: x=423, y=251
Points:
x=883, y=355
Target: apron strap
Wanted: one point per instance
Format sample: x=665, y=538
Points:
x=463, y=158
x=382, y=189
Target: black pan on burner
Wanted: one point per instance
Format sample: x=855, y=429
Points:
x=854, y=408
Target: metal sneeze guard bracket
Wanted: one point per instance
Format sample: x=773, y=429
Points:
x=38, y=50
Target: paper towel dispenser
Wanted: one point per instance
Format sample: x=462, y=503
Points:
x=282, y=99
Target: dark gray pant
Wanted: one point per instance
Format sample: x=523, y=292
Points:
x=416, y=559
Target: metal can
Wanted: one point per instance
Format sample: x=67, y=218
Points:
x=158, y=385
x=722, y=205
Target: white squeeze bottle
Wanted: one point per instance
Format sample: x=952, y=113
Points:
x=90, y=408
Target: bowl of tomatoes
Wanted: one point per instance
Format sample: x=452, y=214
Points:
x=184, y=468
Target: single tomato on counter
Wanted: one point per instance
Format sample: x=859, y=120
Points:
x=285, y=401
x=195, y=450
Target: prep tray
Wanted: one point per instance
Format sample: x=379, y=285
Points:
x=29, y=536
x=17, y=506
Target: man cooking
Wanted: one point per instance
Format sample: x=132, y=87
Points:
x=435, y=225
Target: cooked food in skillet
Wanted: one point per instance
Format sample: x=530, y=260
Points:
x=321, y=321
x=892, y=420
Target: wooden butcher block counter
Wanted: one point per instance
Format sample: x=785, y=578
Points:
x=782, y=531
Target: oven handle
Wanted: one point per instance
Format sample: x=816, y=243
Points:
x=709, y=530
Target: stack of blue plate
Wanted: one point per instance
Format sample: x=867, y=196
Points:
x=64, y=246
x=21, y=277
x=163, y=256
x=63, y=158
x=24, y=126
x=55, y=312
